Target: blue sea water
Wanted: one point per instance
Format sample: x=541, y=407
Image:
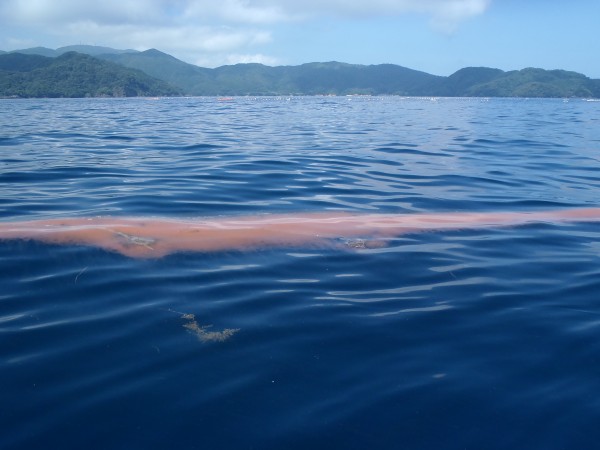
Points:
x=469, y=339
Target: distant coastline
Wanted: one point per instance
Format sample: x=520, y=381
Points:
x=90, y=71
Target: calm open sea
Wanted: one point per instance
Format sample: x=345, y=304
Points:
x=470, y=339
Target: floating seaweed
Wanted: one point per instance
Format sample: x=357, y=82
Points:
x=362, y=244
x=354, y=243
x=201, y=330
x=136, y=240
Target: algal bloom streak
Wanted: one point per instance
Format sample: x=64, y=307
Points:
x=155, y=238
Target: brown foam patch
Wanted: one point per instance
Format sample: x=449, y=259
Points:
x=154, y=238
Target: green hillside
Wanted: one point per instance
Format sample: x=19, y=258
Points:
x=341, y=78
x=461, y=81
x=74, y=75
x=192, y=80
x=19, y=62
x=258, y=79
x=532, y=82
x=111, y=74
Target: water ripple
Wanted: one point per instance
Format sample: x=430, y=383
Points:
x=489, y=337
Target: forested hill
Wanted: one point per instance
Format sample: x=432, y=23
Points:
x=257, y=79
x=530, y=82
x=74, y=75
x=340, y=78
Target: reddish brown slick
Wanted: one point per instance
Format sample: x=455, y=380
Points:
x=154, y=238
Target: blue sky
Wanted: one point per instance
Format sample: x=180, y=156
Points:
x=436, y=36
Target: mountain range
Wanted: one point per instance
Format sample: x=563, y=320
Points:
x=82, y=70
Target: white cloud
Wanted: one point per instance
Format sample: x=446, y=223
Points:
x=235, y=11
x=178, y=12
x=222, y=59
x=217, y=30
x=61, y=12
x=184, y=42
x=442, y=10
x=16, y=43
x=450, y=13
x=255, y=58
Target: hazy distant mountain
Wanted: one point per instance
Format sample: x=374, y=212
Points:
x=74, y=75
x=333, y=77
x=92, y=50
x=42, y=51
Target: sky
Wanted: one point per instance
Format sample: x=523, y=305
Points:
x=435, y=36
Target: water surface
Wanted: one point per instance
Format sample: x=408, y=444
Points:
x=474, y=338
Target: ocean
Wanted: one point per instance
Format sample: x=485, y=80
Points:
x=468, y=338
